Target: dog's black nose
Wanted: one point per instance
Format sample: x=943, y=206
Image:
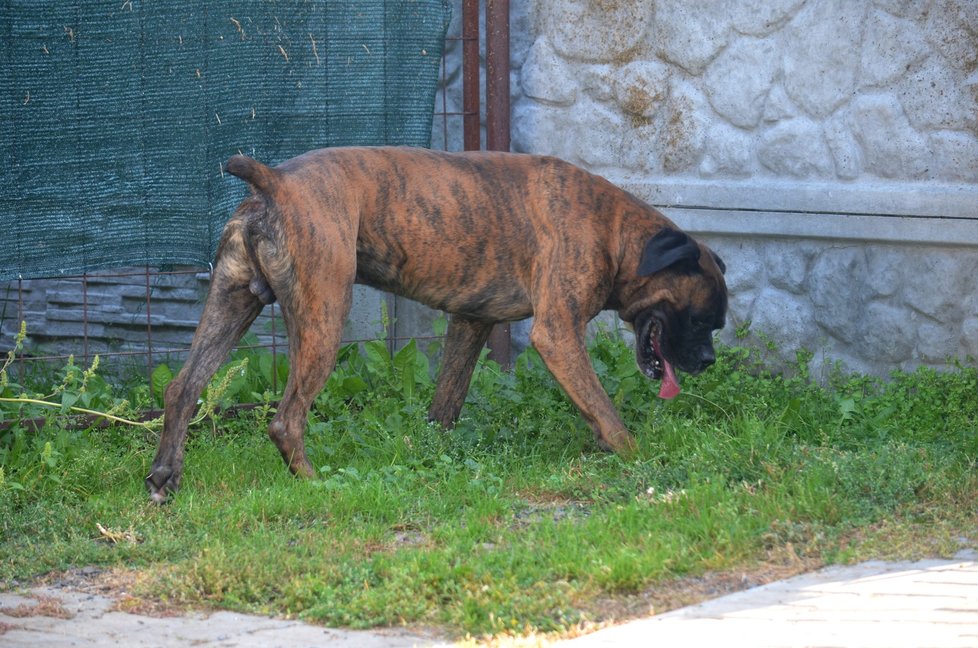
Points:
x=707, y=357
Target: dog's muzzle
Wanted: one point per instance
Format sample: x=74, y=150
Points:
x=649, y=356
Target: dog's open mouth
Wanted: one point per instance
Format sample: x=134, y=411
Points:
x=651, y=360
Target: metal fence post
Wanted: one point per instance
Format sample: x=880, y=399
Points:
x=497, y=124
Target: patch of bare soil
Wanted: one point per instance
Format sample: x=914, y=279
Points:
x=44, y=606
x=117, y=584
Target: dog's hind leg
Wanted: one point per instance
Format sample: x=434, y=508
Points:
x=228, y=312
x=314, y=315
x=463, y=344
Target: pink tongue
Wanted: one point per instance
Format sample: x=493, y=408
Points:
x=670, y=387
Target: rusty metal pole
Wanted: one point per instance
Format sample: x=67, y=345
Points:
x=497, y=124
x=21, y=318
x=497, y=75
x=149, y=330
x=274, y=354
x=85, y=316
x=471, y=76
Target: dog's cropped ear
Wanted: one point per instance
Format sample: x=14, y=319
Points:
x=719, y=262
x=667, y=248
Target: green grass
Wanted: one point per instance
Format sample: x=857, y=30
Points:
x=513, y=522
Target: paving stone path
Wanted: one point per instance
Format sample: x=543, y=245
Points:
x=923, y=604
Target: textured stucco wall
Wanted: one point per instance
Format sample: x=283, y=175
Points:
x=824, y=89
x=827, y=148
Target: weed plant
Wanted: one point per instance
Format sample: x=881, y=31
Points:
x=513, y=522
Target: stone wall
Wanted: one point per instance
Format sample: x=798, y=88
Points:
x=826, y=148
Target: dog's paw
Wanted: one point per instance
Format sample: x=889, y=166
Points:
x=161, y=483
x=620, y=442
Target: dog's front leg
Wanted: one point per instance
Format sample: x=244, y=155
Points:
x=562, y=347
x=463, y=344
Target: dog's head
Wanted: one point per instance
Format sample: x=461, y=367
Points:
x=679, y=298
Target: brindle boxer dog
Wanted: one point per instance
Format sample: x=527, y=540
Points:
x=486, y=237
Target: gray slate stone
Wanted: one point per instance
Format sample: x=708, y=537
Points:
x=690, y=33
x=727, y=151
x=640, y=88
x=884, y=270
x=787, y=266
x=546, y=77
x=955, y=156
x=887, y=334
x=682, y=134
x=786, y=318
x=822, y=61
x=951, y=28
x=749, y=271
x=969, y=337
x=796, y=148
x=739, y=80
x=935, y=97
x=762, y=17
x=844, y=148
x=936, y=342
x=891, y=47
x=596, y=31
x=938, y=284
x=912, y=9
x=778, y=106
x=836, y=281
x=891, y=147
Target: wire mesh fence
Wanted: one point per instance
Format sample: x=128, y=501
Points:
x=136, y=317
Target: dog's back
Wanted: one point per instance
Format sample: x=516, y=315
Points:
x=461, y=232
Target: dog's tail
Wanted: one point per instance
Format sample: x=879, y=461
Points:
x=258, y=232
x=262, y=178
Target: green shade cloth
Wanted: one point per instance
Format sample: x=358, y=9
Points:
x=117, y=116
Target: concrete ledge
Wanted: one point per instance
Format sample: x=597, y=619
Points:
x=877, y=229
x=928, y=214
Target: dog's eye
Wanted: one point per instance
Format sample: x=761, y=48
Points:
x=701, y=324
